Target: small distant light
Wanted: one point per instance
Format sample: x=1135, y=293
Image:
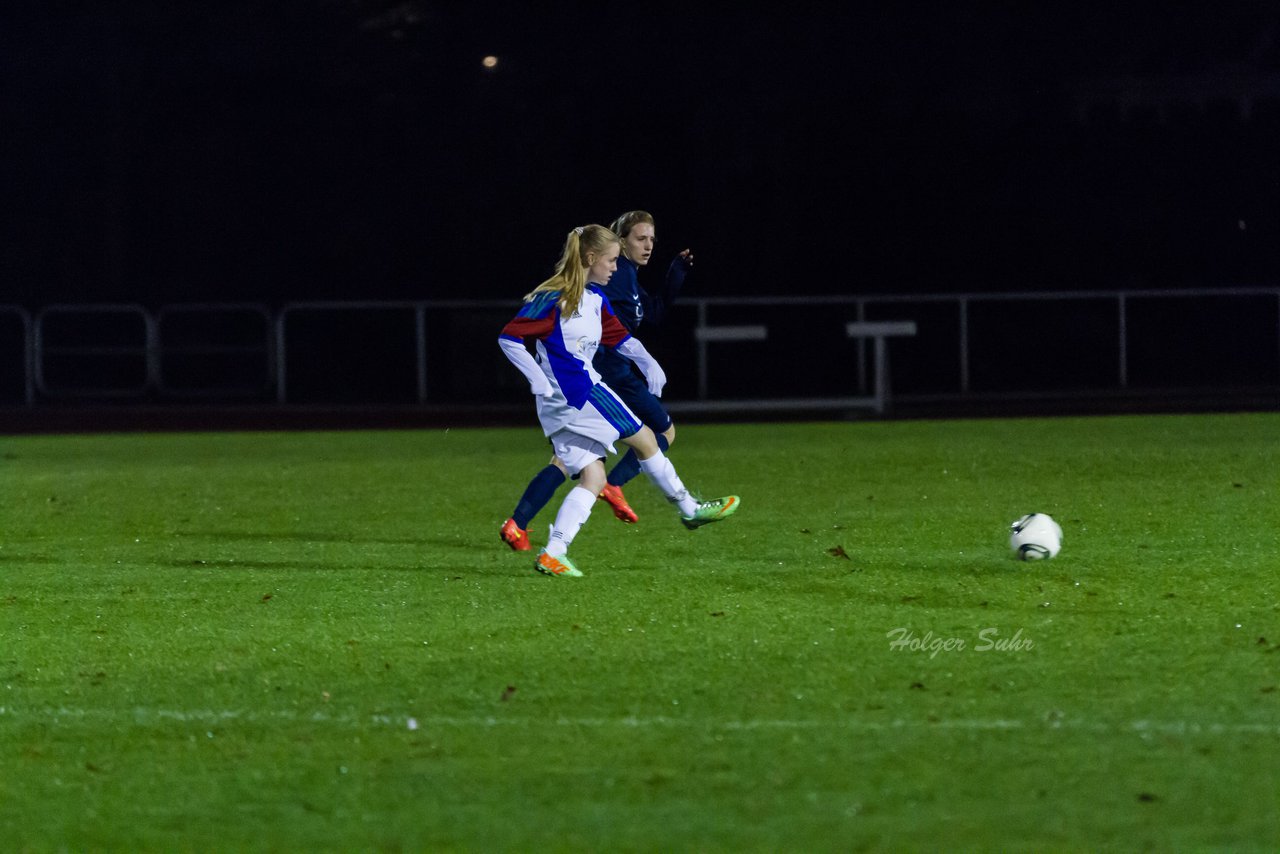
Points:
x=489, y=62
x=1240, y=224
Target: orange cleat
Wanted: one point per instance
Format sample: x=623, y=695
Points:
x=515, y=536
x=613, y=496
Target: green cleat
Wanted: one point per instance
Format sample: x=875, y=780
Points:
x=711, y=511
x=557, y=566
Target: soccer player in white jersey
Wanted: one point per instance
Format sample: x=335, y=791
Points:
x=569, y=318
x=633, y=305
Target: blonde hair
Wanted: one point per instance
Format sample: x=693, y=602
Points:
x=570, y=277
x=623, y=224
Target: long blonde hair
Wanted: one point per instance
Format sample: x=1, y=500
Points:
x=570, y=277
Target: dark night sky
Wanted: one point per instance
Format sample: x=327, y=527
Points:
x=184, y=151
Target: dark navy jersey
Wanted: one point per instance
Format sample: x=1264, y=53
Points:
x=632, y=303
x=634, y=306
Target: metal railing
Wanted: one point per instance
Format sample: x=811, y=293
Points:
x=26, y=348
x=762, y=348
x=72, y=343
x=215, y=337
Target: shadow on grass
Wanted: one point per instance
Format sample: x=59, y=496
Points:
x=456, y=572
x=290, y=565
x=311, y=537
x=38, y=559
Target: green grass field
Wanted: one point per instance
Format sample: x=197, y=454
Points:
x=315, y=641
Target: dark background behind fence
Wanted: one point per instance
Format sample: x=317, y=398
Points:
x=179, y=152
x=187, y=151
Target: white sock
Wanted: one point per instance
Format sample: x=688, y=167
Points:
x=573, y=514
x=663, y=474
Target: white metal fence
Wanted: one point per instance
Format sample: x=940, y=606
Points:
x=723, y=354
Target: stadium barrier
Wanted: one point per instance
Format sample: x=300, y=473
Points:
x=20, y=350
x=768, y=353
x=880, y=333
x=877, y=401
x=94, y=351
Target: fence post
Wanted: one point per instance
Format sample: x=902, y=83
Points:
x=282, y=361
x=420, y=344
x=1123, y=339
x=702, y=351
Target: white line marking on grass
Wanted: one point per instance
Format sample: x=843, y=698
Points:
x=144, y=715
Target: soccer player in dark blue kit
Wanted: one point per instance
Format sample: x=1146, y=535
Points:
x=634, y=306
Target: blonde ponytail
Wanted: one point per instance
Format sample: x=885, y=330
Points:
x=570, y=276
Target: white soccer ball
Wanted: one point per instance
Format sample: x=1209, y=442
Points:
x=1035, y=537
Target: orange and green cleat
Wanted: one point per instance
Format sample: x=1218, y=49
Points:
x=711, y=511
x=558, y=566
x=613, y=496
x=515, y=536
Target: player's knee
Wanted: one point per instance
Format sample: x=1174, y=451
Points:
x=670, y=435
x=593, y=477
x=645, y=443
x=558, y=463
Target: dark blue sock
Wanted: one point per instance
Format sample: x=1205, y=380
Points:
x=629, y=466
x=537, y=494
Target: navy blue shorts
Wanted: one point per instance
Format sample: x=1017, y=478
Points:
x=635, y=393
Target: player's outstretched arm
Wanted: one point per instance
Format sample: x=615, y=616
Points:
x=632, y=349
x=656, y=306
x=515, y=351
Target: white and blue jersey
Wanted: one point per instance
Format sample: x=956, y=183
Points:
x=565, y=348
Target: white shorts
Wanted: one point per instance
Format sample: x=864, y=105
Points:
x=579, y=436
x=577, y=451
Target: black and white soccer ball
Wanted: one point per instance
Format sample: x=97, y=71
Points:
x=1035, y=537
